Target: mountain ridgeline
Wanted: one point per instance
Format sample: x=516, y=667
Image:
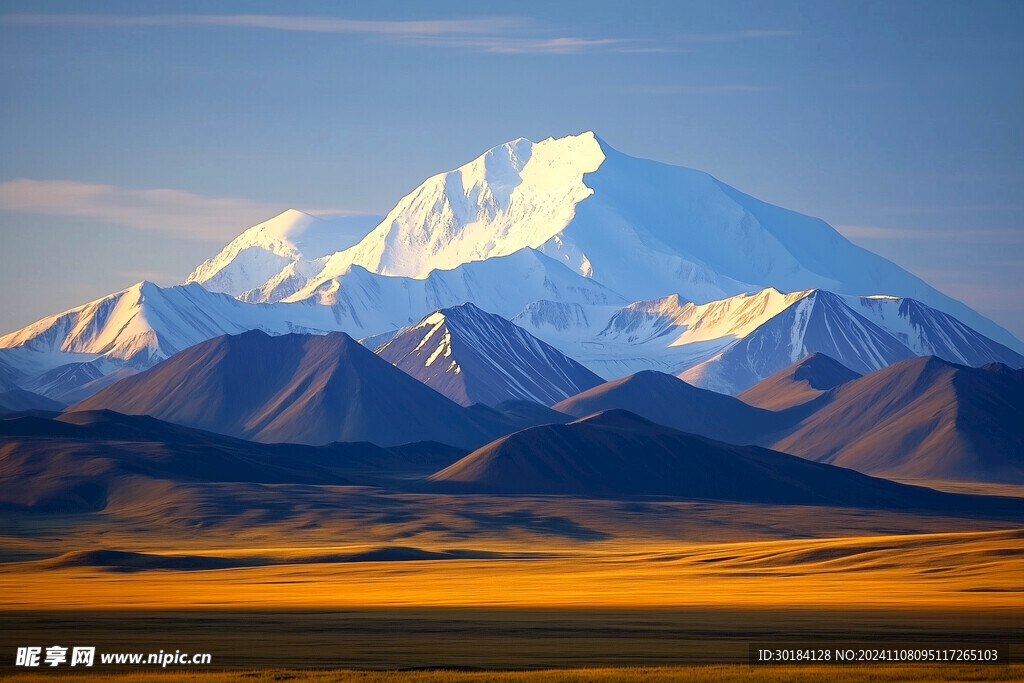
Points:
x=501, y=295
x=310, y=389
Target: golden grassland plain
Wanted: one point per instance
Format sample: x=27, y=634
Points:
x=348, y=577
x=979, y=570
x=342, y=547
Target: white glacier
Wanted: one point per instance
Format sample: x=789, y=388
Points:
x=639, y=227
x=563, y=232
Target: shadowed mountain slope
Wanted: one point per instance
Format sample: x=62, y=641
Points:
x=472, y=356
x=84, y=461
x=617, y=454
x=920, y=418
x=670, y=401
x=806, y=379
x=293, y=388
x=820, y=322
x=17, y=400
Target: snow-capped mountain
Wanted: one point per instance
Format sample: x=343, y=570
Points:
x=862, y=333
x=666, y=334
x=67, y=378
x=272, y=260
x=145, y=324
x=564, y=233
x=639, y=227
x=502, y=285
x=820, y=322
x=930, y=332
x=294, y=388
x=761, y=332
x=472, y=356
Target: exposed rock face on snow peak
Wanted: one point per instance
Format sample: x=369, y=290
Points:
x=819, y=322
x=862, y=333
x=666, y=334
x=472, y=356
x=930, y=332
x=730, y=344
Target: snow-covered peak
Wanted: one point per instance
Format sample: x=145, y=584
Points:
x=517, y=195
x=273, y=259
x=281, y=236
x=680, y=323
x=930, y=332
x=472, y=356
x=144, y=323
x=816, y=322
x=639, y=227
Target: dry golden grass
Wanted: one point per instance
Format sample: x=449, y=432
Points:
x=981, y=570
x=573, y=583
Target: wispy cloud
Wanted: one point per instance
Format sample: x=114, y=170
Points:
x=488, y=34
x=502, y=35
x=653, y=49
x=511, y=45
x=175, y=212
x=432, y=27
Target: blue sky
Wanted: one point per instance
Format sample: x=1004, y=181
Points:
x=137, y=138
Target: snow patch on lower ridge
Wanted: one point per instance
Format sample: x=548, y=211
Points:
x=560, y=236
x=725, y=345
x=491, y=360
x=639, y=227
x=730, y=344
x=144, y=324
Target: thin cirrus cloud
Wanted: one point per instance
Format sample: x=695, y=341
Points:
x=486, y=34
x=275, y=22
x=174, y=212
x=506, y=45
